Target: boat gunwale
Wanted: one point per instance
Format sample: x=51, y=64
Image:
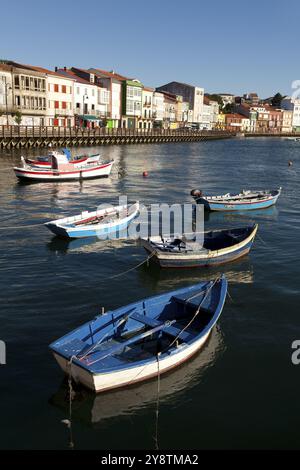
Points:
x=207, y=254
x=168, y=353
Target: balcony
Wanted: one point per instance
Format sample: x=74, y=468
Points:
x=62, y=112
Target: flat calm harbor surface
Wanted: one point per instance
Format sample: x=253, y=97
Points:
x=240, y=391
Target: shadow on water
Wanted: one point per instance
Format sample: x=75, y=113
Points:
x=94, y=409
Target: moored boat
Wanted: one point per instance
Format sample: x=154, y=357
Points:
x=218, y=247
x=46, y=161
x=246, y=200
x=143, y=339
x=99, y=223
x=62, y=170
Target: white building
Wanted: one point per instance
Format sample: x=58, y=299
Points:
x=113, y=82
x=292, y=104
x=192, y=94
x=25, y=95
x=158, y=108
x=147, y=109
x=90, y=101
x=210, y=114
x=59, y=110
x=6, y=96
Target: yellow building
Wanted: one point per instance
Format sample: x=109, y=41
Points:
x=221, y=124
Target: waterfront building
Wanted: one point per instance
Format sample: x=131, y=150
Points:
x=59, y=110
x=237, y=122
x=6, y=96
x=249, y=112
x=221, y=121
x=191, y=94
x=131, y=103
x=158, y=109
x=287, y=120
x=187, y=113
x=210, y=113
x=275, y=118
x=170, y=110
x=292, y=104
x=262, y=118
x=26, y=95
x=90, y=101
x=112, y=82
x=146, y=121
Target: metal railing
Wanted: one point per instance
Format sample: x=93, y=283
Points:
x=55, y=131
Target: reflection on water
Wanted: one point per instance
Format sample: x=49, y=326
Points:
x=223, y=219
x=89, y=245
x=94, y=409
x=240, y=271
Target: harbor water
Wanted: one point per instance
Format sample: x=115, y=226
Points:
x=240, y=391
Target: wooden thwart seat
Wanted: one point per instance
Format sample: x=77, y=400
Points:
x=170, y=330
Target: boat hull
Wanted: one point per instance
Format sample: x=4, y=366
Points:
x=83, y=355
x=111, y=380
x=76, y=174
x=100, y=231
x=241, y=206
x=192, y=260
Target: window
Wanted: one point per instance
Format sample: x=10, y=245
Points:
x=56, y=87
x=17, y=100
x=63, y=89
x=56, y=104
x=77, y=105
x=17, y=82
x=130, y=92
x=64, y=105
x=27, y=83
x=93, y=107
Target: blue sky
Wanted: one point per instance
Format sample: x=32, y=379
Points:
x=224, y=46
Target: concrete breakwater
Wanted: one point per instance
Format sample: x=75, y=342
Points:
x=29, y=137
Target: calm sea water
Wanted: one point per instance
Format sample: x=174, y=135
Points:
x=240, y=391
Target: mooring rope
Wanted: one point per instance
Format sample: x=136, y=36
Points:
x=71, y=391
x=157, y=404
x=131, y=269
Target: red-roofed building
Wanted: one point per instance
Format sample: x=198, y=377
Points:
x=26, y=94
x=237, y=122
x=90, y=101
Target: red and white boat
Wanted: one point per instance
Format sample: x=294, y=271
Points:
x=62, y=170
x=45, y=161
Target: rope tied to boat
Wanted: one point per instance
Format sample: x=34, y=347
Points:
x=133, y=268
x=71, y=397
x=157, y=403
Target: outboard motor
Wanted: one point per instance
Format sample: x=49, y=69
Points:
x=196, y=193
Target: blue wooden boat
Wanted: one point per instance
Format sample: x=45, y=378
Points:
x=138, y=341
x=99, y=223
x=218, y=247
x=246, y=200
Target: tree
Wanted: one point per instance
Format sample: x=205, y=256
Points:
x=276, y=100
x=228, y=109
x=217, y=98
x=18, y=117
